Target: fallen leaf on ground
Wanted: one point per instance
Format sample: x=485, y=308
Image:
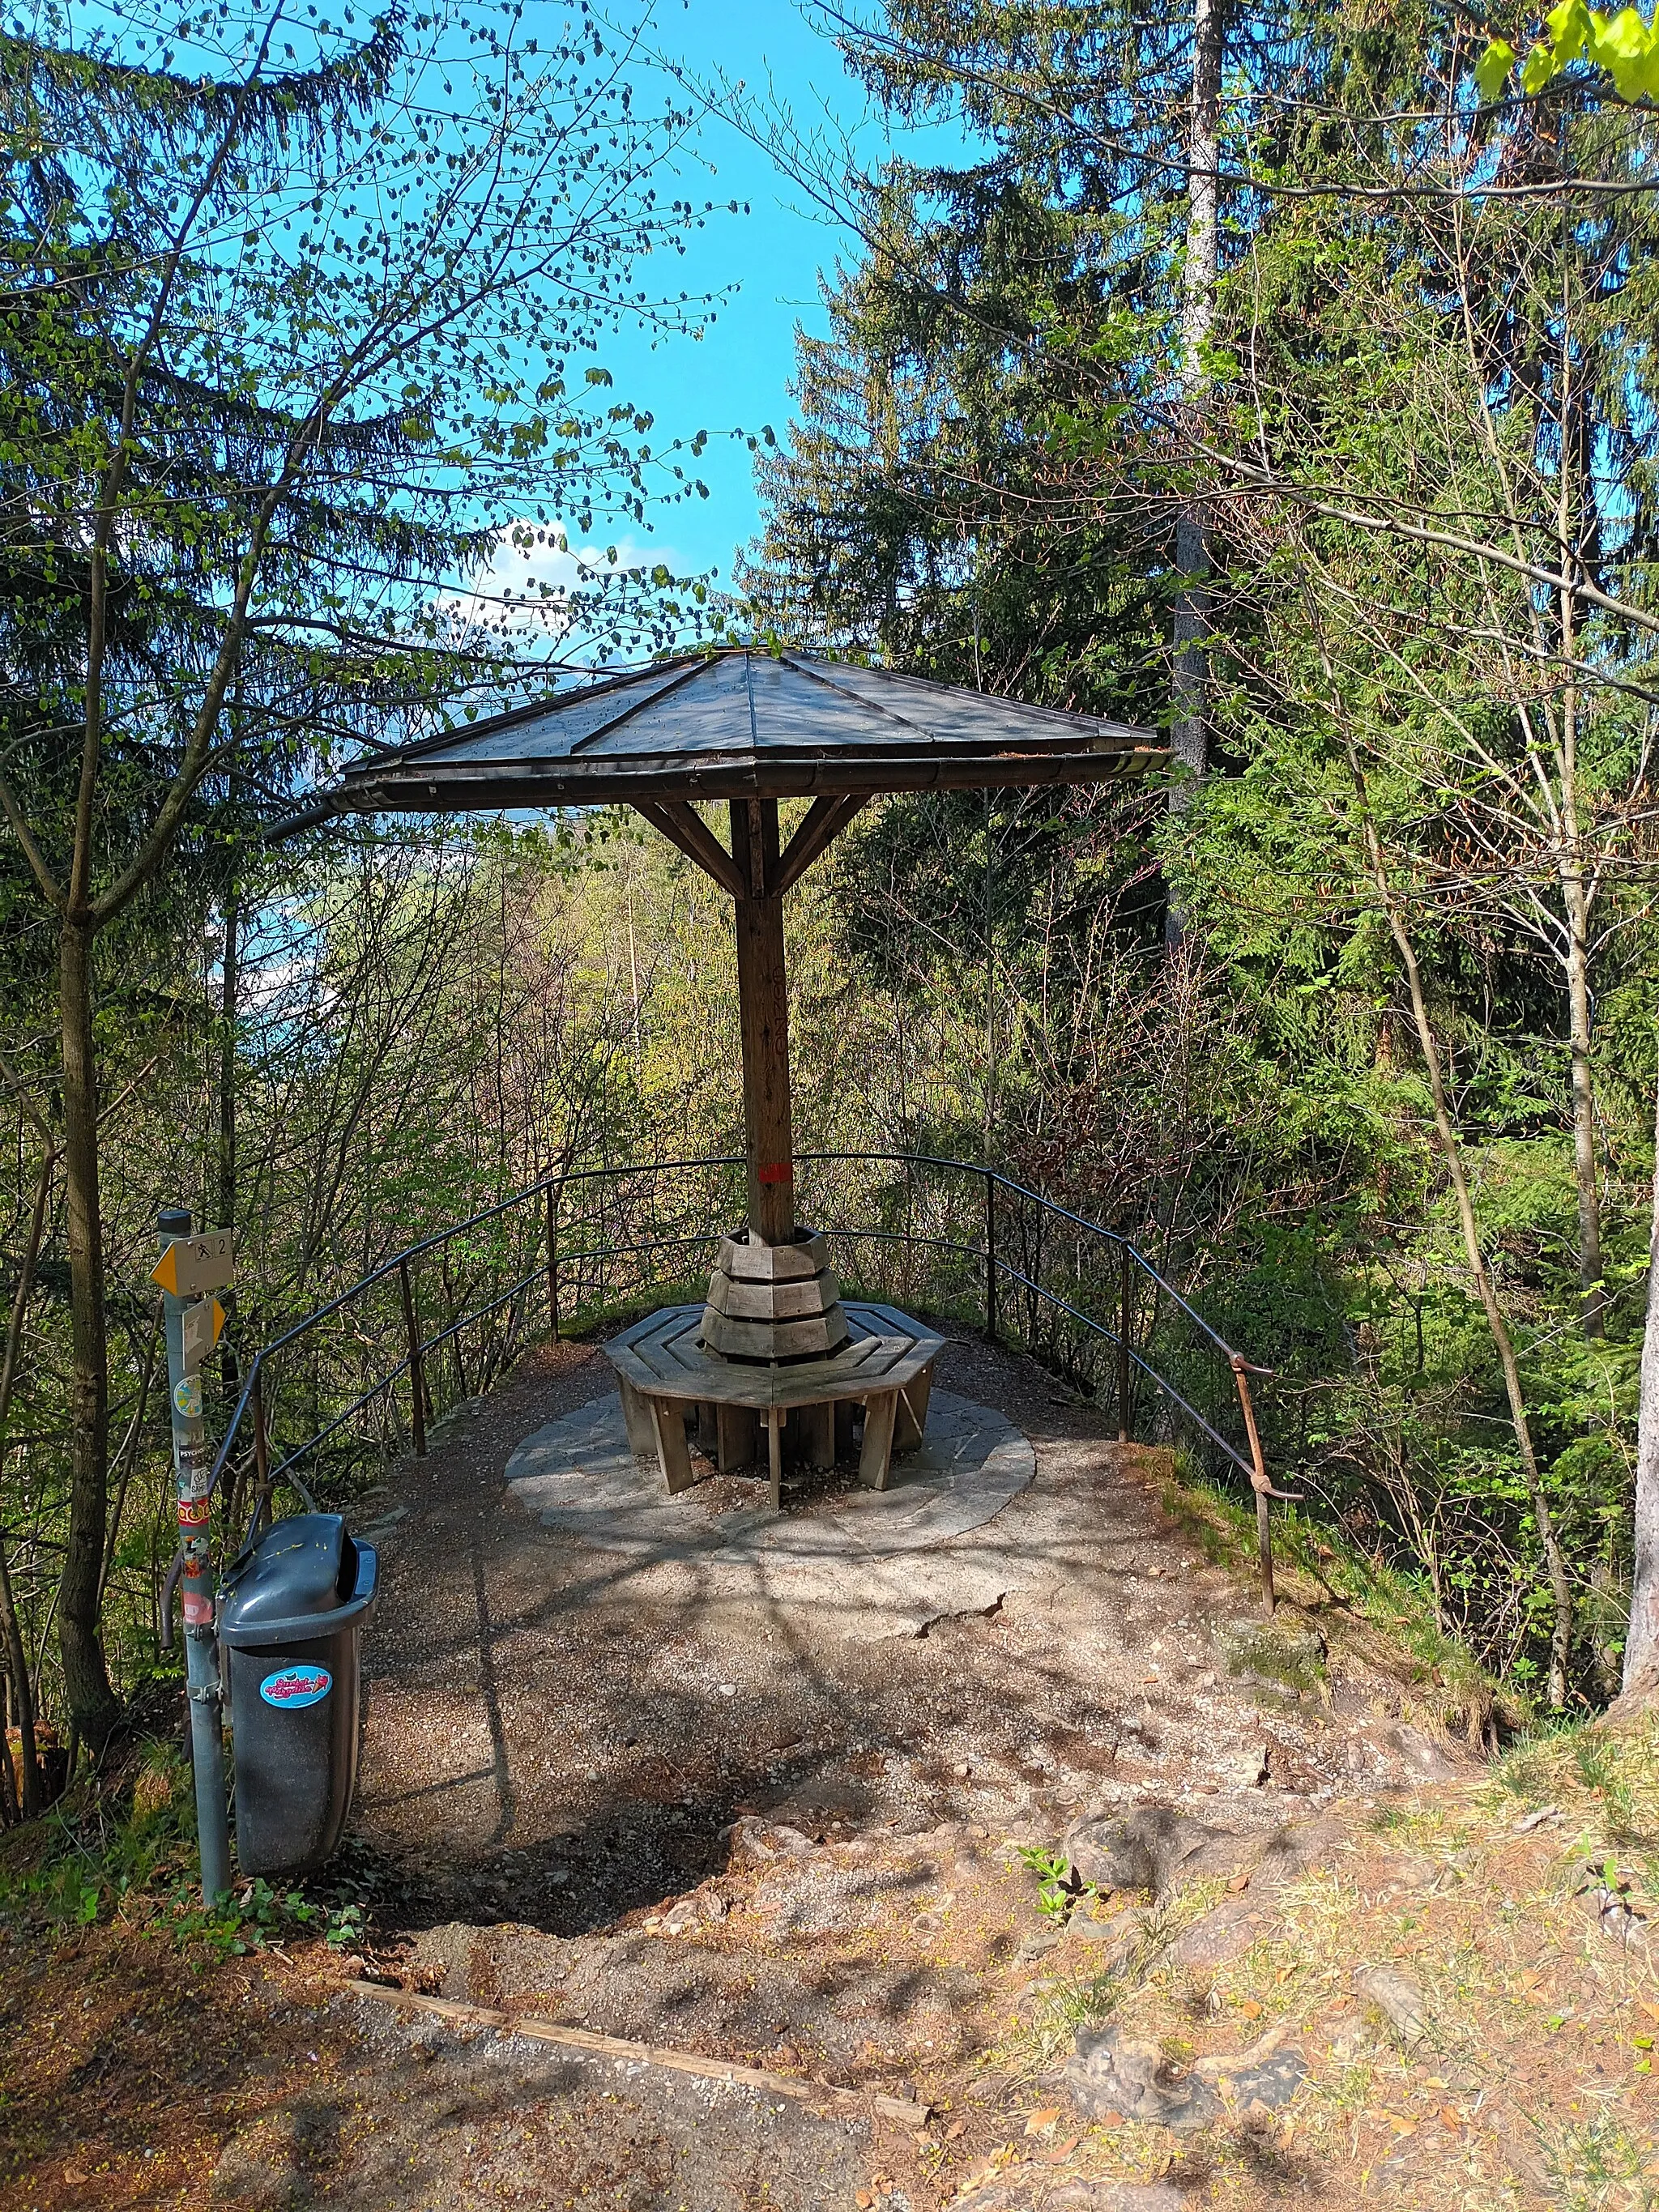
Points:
x=1239, y=1881
x=1250, y=2009
x=1045, y=2117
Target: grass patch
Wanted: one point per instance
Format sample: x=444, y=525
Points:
x=1374, y=1614
x=121, y=1851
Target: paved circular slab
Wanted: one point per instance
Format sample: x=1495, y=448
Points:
x=578, y=1475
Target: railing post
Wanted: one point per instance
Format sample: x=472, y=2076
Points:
x=1124, y=1316
x=416, y=1370
x=990, y=1257
x=261, y=1453
x=1258, y=1483
x=553, y=1262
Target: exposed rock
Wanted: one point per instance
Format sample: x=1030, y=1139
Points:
x=1111, y=2072
x=1283, y=1653
x=1036, y=1946
x=1617, y=1919
x=1398, y=1998
x=755, y=1842
x=1220, y=1937
x=1253, y=2083
x=1246, y=1769
x=1144, y=1848
x=1297, y=1848
x=1424, y=1756
x=1155, y=1848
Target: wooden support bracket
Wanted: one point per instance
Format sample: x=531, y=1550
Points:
x=684, y=826
x=823, y=822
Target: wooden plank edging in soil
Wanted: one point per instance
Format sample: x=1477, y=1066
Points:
x=901, y=2109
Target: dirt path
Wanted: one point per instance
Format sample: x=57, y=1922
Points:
x=552, y=1739
x=645, y=1804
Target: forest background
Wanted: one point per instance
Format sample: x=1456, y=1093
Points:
x=1291, y=391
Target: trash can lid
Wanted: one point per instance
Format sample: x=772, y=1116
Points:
x=307, y=1564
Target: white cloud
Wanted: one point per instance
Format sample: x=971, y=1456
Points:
x=537, y=575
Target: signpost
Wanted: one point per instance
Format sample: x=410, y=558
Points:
x=188, y=1266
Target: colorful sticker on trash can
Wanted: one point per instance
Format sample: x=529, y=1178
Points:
x=293, y=1686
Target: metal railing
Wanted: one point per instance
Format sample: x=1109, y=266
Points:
x=957, y=1237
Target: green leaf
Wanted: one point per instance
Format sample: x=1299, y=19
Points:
x=1569, y=27
x=1493, y=67
x=1628, y=49
x=1540, y=67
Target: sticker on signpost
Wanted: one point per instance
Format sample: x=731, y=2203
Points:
x=292, y=1688
x=187, y=1397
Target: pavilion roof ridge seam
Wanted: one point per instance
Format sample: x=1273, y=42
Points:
x=554, y=702
x=802, y=661
x=651, y=698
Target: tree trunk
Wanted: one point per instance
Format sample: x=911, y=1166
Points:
x=1188, y=735
x=1592, y=1293
x=230, y=1368
x=1451, y=1152
x=92, y=1705
x=17, y=1663
x=227, y=1162
x=1642, y=1642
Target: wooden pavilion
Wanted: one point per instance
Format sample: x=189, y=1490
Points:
x=774, y=1342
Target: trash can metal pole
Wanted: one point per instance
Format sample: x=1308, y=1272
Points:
x=192, y=1464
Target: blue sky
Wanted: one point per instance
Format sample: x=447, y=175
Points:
x=738, y=374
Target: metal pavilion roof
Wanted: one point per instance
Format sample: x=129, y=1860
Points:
x=738, y=724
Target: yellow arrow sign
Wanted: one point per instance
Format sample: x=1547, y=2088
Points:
x=203, y=1324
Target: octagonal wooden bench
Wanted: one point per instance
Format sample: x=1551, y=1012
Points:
x=663, y=1368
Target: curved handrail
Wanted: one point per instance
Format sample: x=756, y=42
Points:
x=552, y=1187
x=1062, y=1213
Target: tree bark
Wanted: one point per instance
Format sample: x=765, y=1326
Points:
x=92, y=1705
x=230, y=1368
x=17, y=1662
x=1642, y=1642
x=1188, y=737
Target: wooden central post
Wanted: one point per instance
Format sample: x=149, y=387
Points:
x=763, y=1011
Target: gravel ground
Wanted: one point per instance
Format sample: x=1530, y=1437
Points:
x=559, y=1738
x=681, y=1810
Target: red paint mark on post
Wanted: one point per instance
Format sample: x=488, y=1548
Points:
x=774, y=1171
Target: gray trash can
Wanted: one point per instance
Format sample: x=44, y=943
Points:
x=291, y=1618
